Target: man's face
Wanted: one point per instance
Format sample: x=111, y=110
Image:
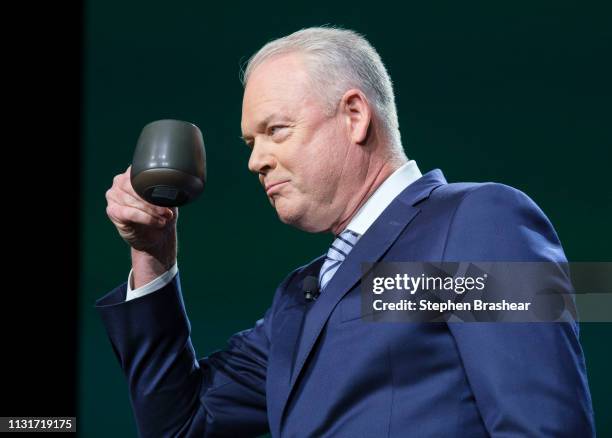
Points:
x=303, y=157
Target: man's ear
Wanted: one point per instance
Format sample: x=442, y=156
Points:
x=358, y=114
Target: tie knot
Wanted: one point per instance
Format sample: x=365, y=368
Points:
x=336, y=254
x=342, y=245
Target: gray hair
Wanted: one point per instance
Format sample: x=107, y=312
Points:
x=339, y=59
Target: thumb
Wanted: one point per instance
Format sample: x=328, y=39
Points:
x=172, y=213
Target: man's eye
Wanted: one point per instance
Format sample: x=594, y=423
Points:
x=274, y=129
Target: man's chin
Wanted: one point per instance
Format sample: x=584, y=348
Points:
x=298, y=221
x=289, y=218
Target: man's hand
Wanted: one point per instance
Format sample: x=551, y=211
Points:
x=150, y=230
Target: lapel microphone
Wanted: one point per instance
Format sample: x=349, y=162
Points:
x=310, y=286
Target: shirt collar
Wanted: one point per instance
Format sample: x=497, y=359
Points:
x=383, y=196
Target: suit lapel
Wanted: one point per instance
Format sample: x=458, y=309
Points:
x=284, y=347
x=370, y=248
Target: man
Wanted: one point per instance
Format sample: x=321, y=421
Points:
x=319, y=116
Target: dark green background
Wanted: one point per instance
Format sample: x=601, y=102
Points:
x=512, y=92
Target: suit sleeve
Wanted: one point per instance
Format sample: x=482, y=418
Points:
x=528, y=379
x=171, y=391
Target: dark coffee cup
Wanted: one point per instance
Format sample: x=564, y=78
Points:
x=169, y=164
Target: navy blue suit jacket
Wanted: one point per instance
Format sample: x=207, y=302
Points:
x=318, y=370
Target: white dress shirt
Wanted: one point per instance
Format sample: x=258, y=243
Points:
x=363, y=219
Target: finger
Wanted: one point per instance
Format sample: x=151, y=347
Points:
x=122, y=183
x=125, y=199
x=174, y=212
x=125, y=185
x=122, y=215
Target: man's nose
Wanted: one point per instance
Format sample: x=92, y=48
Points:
x=261, y=159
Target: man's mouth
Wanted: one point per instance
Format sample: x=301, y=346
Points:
x=271, y=188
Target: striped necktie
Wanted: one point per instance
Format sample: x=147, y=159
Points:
x=336, y=254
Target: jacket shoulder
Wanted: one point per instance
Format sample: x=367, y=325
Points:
x=456, y=193
x=492, y=220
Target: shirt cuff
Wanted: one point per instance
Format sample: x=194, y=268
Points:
x=151, y=286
